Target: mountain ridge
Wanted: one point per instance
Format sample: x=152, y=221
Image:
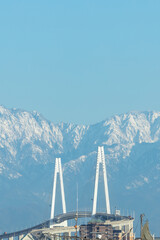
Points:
x=29, y=143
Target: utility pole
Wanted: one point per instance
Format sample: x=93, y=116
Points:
x=76, y=218
x=141, y=220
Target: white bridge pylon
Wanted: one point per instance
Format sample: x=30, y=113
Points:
x=58, y=169
x=101, y=160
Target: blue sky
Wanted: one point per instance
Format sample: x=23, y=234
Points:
x=80, y=61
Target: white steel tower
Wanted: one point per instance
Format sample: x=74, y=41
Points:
x=58, y=169
x=101, y=160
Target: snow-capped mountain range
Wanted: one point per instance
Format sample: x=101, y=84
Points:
x=29, y=145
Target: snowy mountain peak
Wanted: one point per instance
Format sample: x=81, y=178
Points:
x=27, y=137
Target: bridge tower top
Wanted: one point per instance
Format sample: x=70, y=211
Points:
x=58, y=169
x=101, y=160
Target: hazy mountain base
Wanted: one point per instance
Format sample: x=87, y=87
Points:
x=132, y=151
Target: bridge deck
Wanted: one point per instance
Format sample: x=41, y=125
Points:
x=61, y=218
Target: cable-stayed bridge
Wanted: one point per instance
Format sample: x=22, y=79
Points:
x=58, y=224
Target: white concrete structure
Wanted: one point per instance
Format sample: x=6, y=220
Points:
x=58, y=169
x=56, y=233
x=56, y=230
x=20, y=237
x=101, y=160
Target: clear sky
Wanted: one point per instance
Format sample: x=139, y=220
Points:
x=80, y=61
